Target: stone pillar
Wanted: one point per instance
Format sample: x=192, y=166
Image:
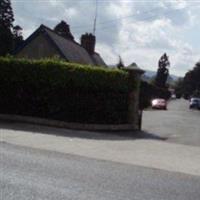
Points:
x=134, y=74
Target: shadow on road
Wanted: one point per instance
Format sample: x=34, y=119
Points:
x=93, y=135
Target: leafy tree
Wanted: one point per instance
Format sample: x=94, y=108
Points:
x=191, y=82
x=120, y=64
x=178, y=86
x=17, y=36
x=6, y=24
x=63, y=29
x=163, y=71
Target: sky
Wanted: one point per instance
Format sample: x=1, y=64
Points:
x=138, y=31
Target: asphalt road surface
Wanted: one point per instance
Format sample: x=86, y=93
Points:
x=178, y=124
x=45, y=163
x=32, y=174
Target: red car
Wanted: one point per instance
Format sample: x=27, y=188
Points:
x=159, y=104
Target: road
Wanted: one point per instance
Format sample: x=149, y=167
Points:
x=178, y=124
x=36, y=174
x=162, y=163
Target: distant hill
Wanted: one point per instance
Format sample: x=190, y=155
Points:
x=149, y=75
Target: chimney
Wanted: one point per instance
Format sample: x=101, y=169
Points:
x=63, y=30
x=88, y=42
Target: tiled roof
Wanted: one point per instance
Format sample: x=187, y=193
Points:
x=98, y=60
x=69, y=49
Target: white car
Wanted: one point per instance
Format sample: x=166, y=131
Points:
x=159, y=104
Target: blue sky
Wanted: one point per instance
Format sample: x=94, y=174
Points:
x=138, y=31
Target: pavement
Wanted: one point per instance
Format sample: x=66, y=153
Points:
x=162, y=162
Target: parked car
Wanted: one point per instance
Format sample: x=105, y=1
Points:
x=195, y=103
x=159, y=104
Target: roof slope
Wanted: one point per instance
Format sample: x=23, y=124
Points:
x=69, y=49
x=98, y=60
x=72, y=51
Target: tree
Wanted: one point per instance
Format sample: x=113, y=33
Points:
x=163, y=71
x=120, y=64
x=17, y=36
x=63, y=29
x=6, y=24
x=191, y=82
x=178, y=86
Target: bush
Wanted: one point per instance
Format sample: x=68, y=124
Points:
x=63, y=91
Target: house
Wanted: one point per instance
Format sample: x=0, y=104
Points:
x=46, y=43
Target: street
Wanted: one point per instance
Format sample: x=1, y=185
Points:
x=93, y=100
x=161, y=163
x=178, y=124
x=35, y=174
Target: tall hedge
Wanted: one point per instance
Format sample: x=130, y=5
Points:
x=64, y=91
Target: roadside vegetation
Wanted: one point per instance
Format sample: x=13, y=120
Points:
x=158, y=87
x=189, y=86
x=10, y=34
x=64, y=91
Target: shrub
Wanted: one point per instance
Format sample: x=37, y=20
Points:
x=64, y=91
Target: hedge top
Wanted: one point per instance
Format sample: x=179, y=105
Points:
x=64, y=74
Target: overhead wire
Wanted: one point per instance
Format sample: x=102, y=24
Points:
x=114, y=20
x=142, y=20
x=110, y=23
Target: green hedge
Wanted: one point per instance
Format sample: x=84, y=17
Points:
x=63, y=91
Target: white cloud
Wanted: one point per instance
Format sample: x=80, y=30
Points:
x=107, y=53
x=55, y=2
x=141, y=33
x=70, y=12
x=176, y=4
x=121, y=8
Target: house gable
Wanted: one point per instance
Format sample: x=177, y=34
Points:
x=46, y=43
x=38, y=47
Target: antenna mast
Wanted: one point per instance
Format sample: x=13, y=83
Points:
x=95, y=18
